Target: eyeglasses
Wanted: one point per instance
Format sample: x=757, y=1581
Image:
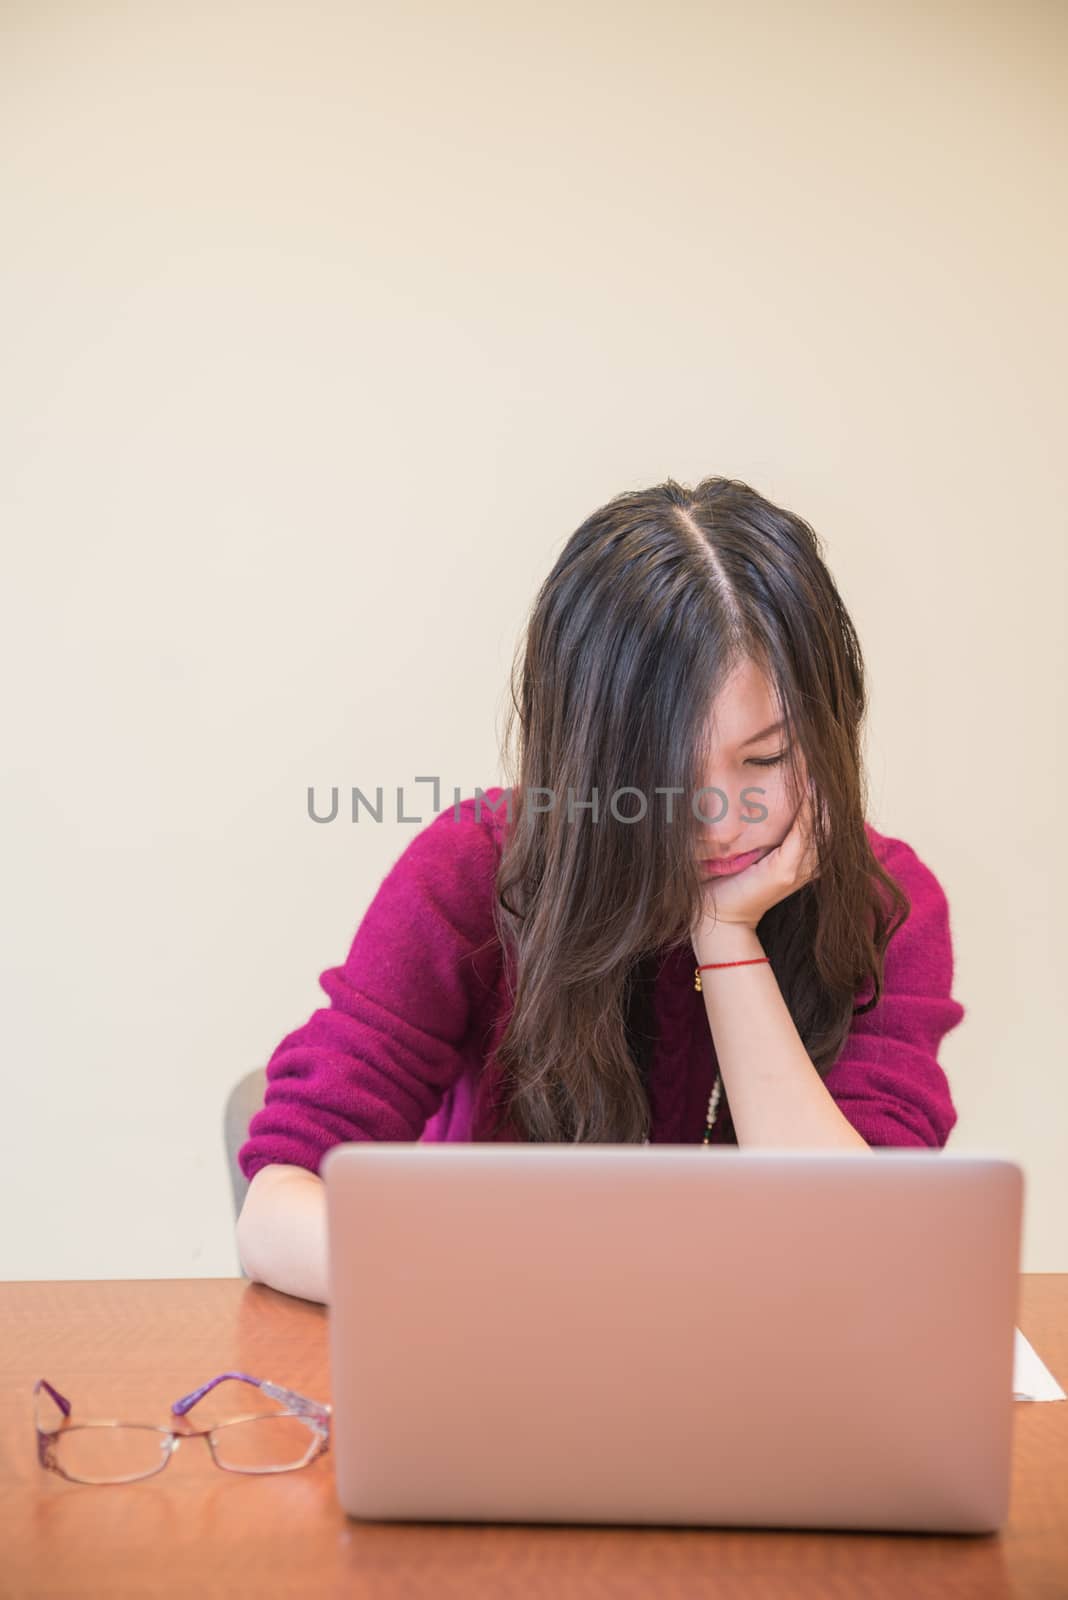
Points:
x=122, y=1452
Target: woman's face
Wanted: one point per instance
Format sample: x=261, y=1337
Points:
x=739, y=761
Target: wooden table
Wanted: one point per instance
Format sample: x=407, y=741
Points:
x=128, y=1349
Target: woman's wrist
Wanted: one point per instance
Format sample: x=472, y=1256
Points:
x=726, y=941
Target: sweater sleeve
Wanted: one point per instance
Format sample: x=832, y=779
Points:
x=376, y=1062
x=887, y=1080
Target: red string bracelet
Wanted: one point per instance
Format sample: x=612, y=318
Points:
x=753, y=961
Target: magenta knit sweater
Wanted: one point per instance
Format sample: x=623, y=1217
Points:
x=405, y=1048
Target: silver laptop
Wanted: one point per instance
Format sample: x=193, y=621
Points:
x=673, y=1335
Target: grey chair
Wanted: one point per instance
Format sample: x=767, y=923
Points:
x=245, y=1098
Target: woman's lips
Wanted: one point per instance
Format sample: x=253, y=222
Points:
x=726, y=868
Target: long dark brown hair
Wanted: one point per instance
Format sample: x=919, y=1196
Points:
x=652, y=603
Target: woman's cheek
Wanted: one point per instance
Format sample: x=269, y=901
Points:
x=763, y=802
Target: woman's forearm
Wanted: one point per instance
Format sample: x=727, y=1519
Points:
x=775, y=1094
x=281, y=1232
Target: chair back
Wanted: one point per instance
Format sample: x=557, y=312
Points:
x=243, y=1101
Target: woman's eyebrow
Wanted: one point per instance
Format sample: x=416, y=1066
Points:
x=762, y=734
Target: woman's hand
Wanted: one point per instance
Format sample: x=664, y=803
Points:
x=740, y=900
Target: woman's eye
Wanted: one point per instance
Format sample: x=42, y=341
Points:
x=768, y=761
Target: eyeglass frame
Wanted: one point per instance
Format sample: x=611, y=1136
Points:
x=315, y=1413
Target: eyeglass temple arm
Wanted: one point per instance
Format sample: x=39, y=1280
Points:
x=274, y=1391
x=61, y=1401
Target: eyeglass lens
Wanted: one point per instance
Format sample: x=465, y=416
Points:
x=100, y=1453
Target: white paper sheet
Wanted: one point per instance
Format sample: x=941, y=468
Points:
x=1031, y=1380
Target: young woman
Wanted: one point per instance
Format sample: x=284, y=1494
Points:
x=675, y=923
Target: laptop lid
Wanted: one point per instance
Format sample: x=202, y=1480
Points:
x=667, y=1335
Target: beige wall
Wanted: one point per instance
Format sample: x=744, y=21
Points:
x=323, y=326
